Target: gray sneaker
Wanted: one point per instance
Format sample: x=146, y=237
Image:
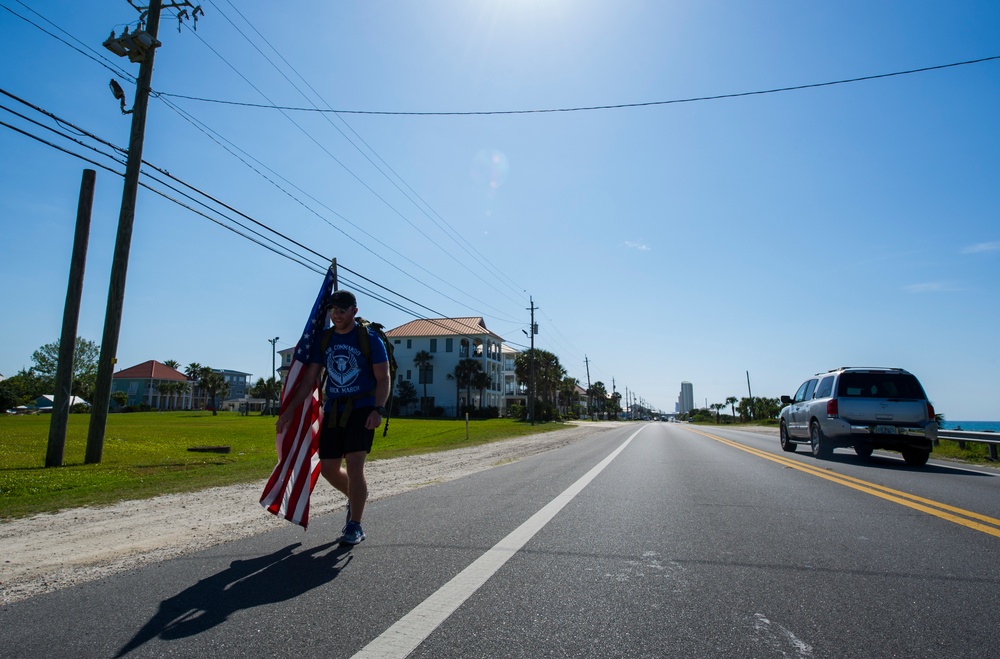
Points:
x=353, y=534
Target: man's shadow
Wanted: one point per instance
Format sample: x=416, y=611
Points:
x=276, y=577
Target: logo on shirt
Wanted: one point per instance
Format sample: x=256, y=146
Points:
x=342, y=370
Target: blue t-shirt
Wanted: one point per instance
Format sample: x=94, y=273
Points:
x=348, y=373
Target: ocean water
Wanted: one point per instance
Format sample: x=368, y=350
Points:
x=974, y=426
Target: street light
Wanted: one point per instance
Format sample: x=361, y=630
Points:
x=134, y=46
x=270, y=410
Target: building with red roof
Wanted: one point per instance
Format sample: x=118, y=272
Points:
x=154, y=384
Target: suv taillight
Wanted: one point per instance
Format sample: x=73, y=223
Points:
x=930, y=411
x=832, y=409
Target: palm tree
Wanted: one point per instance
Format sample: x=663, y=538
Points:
x=172, y=363
x=731, y=402
x=176, y=390
x=567, y=393
x=465, y=371
x=599, y=396
x=717, y=407
x=212, y=384
x=480, y=381
x=616, y=404
x=161, y=389
x=422, y=360
x=165, y=389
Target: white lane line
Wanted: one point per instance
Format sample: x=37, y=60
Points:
x=410, y=630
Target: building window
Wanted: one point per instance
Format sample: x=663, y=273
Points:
x=397, y=341
x=449, y=345
x=408, y=375
x=434, y=345
x=427, y=375
x=409, y=344
x=133, y=388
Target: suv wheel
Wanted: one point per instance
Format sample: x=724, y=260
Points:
x=786, y=442
x=820, y=448
x=916, y=457
x=863, y=449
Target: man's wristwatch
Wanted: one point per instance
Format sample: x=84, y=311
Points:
x=380, y=410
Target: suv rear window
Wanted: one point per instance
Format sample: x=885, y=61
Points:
x=879, y=385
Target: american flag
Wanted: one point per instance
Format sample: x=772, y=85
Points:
x=293, y=479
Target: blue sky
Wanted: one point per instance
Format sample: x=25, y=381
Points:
x=781, y=234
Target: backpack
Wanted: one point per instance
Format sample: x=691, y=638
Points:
x=364, y=344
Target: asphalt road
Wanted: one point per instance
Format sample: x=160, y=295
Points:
x=653, y=540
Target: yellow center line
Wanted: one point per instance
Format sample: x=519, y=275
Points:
x=941, y=510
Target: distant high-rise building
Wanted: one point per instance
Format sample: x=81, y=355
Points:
x=685, y=401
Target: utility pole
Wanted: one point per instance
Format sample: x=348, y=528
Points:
x=613, y=397
x=270, y=409
x=140, y=46
x=750, y=393
x=534, y=331
x=586, y=363
x=71, y=316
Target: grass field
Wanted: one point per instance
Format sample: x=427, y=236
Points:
x=146, y=454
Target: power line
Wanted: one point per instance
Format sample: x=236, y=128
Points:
x=244, y=231
x=207, y=130
x=212, y=134
x=450, y=232
x=319, y=269
x=162, y=171
x=353, y=174
x=587, y=108
x=103, y=61
x=275, y=247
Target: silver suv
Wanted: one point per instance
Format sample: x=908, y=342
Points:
x=867, y=408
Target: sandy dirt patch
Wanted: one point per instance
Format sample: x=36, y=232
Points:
x=46, y=552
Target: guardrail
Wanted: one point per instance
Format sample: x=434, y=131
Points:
x=962, y=436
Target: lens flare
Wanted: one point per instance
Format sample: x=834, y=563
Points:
x=490, y=168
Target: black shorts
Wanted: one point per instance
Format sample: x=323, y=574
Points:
x=336, y=442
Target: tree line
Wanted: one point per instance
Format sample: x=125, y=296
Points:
x=743, y=409
x=555, y=394
x=28, y=384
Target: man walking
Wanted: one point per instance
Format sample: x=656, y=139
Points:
x=357, y=389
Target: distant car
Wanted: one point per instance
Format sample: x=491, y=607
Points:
x=867, y=408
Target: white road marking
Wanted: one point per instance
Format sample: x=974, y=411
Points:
x=410, y=630
x=764, y=628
